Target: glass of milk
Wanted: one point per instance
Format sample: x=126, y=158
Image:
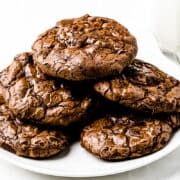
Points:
x=166, y=26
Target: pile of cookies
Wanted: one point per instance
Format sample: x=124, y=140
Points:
x=81, y=81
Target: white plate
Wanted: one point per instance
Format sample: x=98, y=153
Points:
x=79, y=163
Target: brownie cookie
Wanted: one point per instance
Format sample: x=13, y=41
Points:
x=143, y=87
x=31, y=95
x=84, y=48
x=28, y=140
x=125, y=136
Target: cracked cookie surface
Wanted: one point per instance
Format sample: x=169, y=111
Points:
x=143, y=87
x=84, y=48
x=32, y=96
x=125, y=136
x=28, y=140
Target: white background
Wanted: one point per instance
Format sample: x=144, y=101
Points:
x=20, y=23
x=22, y=20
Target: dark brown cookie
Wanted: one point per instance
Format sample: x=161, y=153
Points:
x=143, y=87
x=125, y=136
x=28, y=140
x=32, y=96
x=84, y=48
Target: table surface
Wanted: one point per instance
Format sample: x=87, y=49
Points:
x=22, y=20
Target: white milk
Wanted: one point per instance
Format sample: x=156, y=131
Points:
x=166, y=25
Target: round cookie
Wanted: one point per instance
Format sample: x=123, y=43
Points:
x=28, y=140
x=125, y=136
x=143, y=87
x=30, y=95
x=84, y=48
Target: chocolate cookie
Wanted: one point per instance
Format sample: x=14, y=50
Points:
x=143, y=87
x=125, y=136
x=84, y=48
x=31, y=95
x=28, y=140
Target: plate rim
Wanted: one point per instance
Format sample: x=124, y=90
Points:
x=148, y=160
